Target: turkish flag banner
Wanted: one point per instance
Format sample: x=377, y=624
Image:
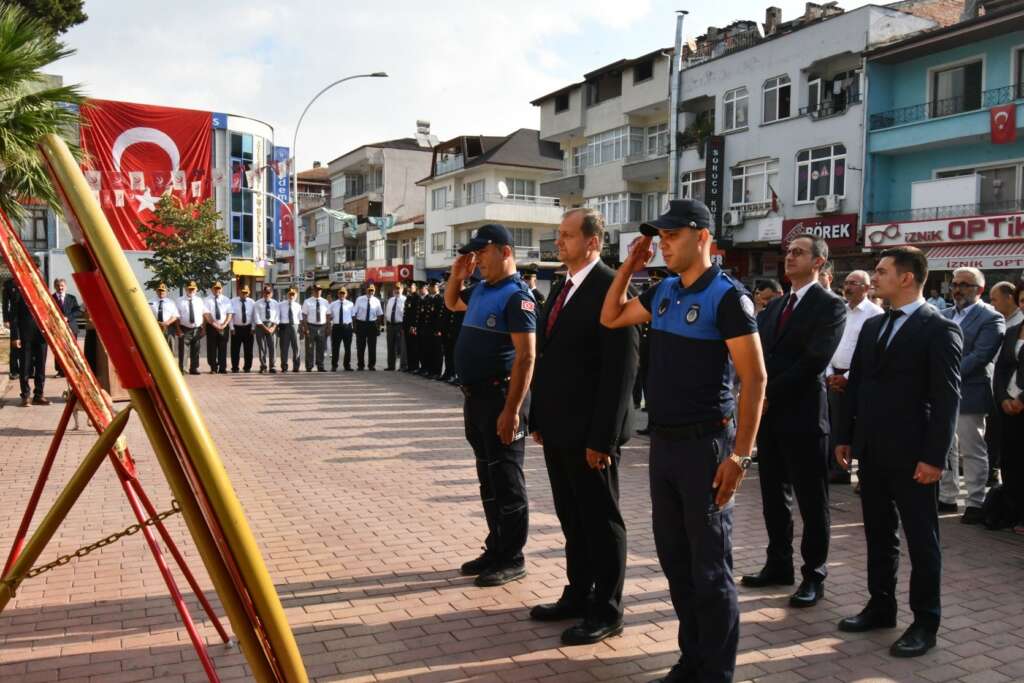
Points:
x=153, y=147
x=1003, y=124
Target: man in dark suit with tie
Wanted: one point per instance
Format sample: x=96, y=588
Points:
x=580, y=413
x=9, y=295
x=799, y=334
x=900, y=415
x=30, y=345
x=68, y=305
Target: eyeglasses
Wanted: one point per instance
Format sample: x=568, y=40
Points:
x=848, y=283
x=962, y=285
x=796, y=251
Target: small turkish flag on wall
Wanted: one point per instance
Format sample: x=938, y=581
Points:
x=1003, y=124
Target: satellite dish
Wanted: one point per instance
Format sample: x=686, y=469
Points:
x=503, y=189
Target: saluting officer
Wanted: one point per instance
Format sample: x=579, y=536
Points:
x=166, y=313
x=190, y=328
x=241, y=328
x=412, y=304
x=290, y=315
x=699, y=320
x=495, y=356
x=218, y=319
x=266, y=316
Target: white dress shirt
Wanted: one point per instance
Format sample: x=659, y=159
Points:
x=218, y=304
x=261, y=314
x=341, y=312
x=170, y=309
x=296, y=309
x=961, y=313
x=237, y=305
x=394, y=309
x=800, y=293
x=309, y=310
x=908, y=310
x=362, y=302
x=855, y=317
x=198, y=310
x=1016, y=319
x=938, y=302
x=578, y=279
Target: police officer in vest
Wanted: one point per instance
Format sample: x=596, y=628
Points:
x=701, y=319
x=495, y=355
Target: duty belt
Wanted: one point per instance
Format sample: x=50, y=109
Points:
x=689, y=432
x=486, y=387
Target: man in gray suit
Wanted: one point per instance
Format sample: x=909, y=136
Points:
x=983, y=328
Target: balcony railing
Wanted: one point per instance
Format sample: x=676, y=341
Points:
x=951, y=211
x=378, y=189
x=495, y=198
x=831, y=107
x=646, y=155
x=946, y=107
x=720, y=48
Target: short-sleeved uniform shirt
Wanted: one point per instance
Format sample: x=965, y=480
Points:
x=689, y=377
x=484, y=350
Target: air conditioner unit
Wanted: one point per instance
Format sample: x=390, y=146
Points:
x=828, y=203
x=732, y=218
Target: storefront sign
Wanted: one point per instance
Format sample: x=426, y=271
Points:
x=1004, y=227
x=399, y=273
x=769, y=229
x=838, y=231
x=979, y=262
x=348, y=276
x=714, y=175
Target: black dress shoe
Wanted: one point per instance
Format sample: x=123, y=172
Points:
x=914, y=642
x=474, y=567
x=499, y=575
x=589, y=632
x=808, y=594
x=867, y=620
x=682, y=672
x=766, y=577
x=948, y=507
x=193, y=372
x=557, y=611
x=972, y=516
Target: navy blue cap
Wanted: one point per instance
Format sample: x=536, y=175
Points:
x=492, y=233
x=682, y=213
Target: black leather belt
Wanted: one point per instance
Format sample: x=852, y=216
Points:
x=486, y=387
x=689, y=432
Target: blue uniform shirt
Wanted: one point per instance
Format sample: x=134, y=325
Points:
x=484, y=349
x=689, y=377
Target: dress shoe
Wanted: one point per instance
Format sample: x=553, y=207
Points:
x=948, y=507
x=273, y=371
x=196, y=372
x=223, y=372
x=766, y=577
x=914, y=642
x=808, y=594
x=972, y=516
x=590, y=631
x=474, y=567
x=40, y=401
x=681, y=672
x=867, y=620
x=557, y=611
x=500, y=575
x=26, y=402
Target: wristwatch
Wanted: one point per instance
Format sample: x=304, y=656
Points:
x=742, y=460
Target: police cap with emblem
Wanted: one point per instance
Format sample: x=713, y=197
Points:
x=492, y=233
x=682, y=213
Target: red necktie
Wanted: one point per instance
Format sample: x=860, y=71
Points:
x=786, y=312
x=556, y=309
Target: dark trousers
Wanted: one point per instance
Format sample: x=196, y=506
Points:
x=241, y=339
x=430, y=352
x=888, y=498
x=499, y=469
x=190, y=339
x=797, y=464
x=394, y=344
x=366, y=340
x=316, y=340
x=32, y=364
x=694, y=543
x=1012, y=464
x=217, y=348
x=15, y=357
x=288, y=336
x=412, y=350
x=587, y=505
x=341, y=334
x=449, y=355
x=836, y=405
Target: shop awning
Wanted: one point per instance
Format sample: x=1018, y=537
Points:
x=247, y=267
x=987, y=256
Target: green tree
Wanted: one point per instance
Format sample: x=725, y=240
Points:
x=186, y=244
x=31, y=106
x=59, y=15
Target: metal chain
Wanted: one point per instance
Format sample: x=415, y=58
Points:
x=131, y=530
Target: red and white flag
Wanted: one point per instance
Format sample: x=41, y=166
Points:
x=148, y=144
x=1003, y=124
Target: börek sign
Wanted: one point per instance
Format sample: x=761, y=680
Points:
x=1000, y=227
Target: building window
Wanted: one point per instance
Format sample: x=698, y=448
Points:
x=473, y=192
x=354, y=185
x=33, y=229
x=337, y=187
x=653, y=203
x=751, y=180
x=608, y=146
x=522, y=237
x=579, y=159
x=1000, y=190
x=956, y=89
x=736, y=102
x=438, y=242
x=1018, y=59
x=519, y=188
x=604, y=87
x=439, y=198
x=339, y=257
x=657, y=140
x=623, y=207
x=561, y=103
x=376, y=251
x=242, y=201
x=820, y=171
x=693, y=185
x=418, y=249
x=776, y=99
x=644, y=71
x=321, y=226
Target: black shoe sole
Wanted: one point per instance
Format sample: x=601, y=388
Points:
x=769, y=583
x=874, y=627
x=484, y=581
x=595, y=639
x=907, y=654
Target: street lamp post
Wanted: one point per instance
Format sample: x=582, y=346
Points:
x=295, y=156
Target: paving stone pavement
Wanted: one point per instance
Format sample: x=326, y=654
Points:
x=361, y=491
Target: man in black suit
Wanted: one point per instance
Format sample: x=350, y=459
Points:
x=9, y=294
x=68, y=305
x=580, y=413
x=30, y=345
x=900, y=416
x=799, y=334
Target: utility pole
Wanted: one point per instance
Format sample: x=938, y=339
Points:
x=675, y=82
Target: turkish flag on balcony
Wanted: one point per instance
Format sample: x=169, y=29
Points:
x=1003, y=124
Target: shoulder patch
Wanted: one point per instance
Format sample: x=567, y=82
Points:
x=747, y=304
x=527, y=305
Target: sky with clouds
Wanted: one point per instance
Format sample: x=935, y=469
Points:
x=469, y=67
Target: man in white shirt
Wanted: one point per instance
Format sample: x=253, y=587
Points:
x=314, y=324
x=368, y=314
x=394, y=311
x=241, y=328
x=1004, y=300
x=265, y=320
x=937, y=300
x=190, y=328
x=858, y=309
x=290, y=315
x=340, y=313
x=166, y=313
x=218, y=320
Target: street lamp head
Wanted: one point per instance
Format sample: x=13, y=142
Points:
x=379, y=74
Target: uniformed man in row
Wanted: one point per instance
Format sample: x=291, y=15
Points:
x=530, y=278
x=452, y=323
x=429, y=328
x=218, y=330
x=166, y=312
x=314, y=325
x=242, y=310
x=700, y=445
x=368, y=315
x=394, y=312
x=190, y=328
x=412, y=304
x=266, y=317
x=290, y=317
x=340, y=313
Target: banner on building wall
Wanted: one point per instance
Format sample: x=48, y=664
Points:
x=135, y=153
x=1003, y=124
x=284, y=224
x=399, y=273
x=1009, y=227
x=714, y=179
x=839, y=230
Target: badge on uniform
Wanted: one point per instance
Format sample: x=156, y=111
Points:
x=747, y=305
x=492, y=320
x=693, y=314
x=663, y=306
